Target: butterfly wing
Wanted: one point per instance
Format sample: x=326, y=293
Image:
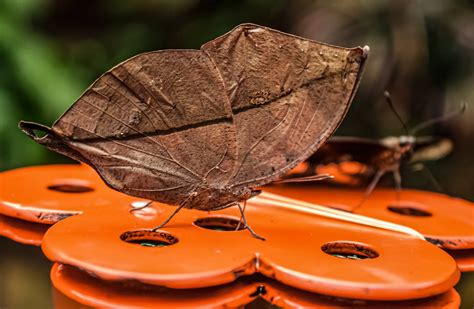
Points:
x=347, y=148
x=154, y=126
x=430, y=148
x=350, y=160
x=288, y=95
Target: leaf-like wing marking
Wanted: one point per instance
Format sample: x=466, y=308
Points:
x=288, y=95
x=154, y=126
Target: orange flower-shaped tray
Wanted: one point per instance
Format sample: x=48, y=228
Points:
x=300, y=251
x=76, y=289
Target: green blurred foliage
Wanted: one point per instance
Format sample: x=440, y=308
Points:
x=422, y=51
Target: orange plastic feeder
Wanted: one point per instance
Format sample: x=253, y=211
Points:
x=199, y=250
x=76, y=289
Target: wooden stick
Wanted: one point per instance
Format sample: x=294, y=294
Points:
x=276, y=200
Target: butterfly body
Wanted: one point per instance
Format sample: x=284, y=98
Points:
x=209, y=198
x=399, y=151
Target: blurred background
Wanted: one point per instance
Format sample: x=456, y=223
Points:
x=52, y=50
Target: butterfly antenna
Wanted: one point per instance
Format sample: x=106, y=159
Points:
x=394, y=110
x=442, y=118
x=398, y=184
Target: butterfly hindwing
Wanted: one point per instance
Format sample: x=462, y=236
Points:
x=288, y=95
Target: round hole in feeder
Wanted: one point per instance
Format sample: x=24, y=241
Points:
x=349, y=250
x=71, y=186
x=408, y=210
x=148, y=238
x=219, y=223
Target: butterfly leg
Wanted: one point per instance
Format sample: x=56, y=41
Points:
x=169, y=218
x=371, y=187
x=398, y=183
x=190, y=196
x=244, y=219
x=140, y=207
x=240, y=221
x=429, y=175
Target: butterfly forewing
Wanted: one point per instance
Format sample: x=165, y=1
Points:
x=430, y=148
x=155, y=125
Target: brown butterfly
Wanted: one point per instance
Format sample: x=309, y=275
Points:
x=363, y=161
x=202, y=129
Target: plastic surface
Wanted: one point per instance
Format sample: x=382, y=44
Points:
x=304, y=251
x=103, y=242
x=21, y=231
x=76, y=289
x=443, y=220
x=50, y=193
x=464, y=258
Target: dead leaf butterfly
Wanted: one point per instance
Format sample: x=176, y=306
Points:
x=202, y=129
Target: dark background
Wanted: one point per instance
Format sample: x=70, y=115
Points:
x=422, y=51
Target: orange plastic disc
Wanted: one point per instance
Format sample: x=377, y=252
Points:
x=49, y=193
x=464, y=258
x=285, y=297
x=22, y=231
x=85, y=289
x=76, y=289
x=316, y=254
x=445, y=221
